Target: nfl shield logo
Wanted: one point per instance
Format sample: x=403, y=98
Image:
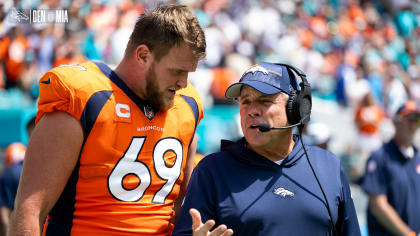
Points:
x=418, y=169
x=148, y=112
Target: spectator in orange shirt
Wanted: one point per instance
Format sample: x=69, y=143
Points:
x=222, y=78
x=4, y=45
x=368, y=118
x=14, y=60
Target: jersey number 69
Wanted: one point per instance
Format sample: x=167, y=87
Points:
x=129, y=164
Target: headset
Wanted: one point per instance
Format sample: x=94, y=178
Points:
x=299, y=105
x=298, y=111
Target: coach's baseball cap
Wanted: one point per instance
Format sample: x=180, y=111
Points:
x=268, y=78
x=409, y=108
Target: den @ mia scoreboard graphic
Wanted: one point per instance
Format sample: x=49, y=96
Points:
x=38, y=16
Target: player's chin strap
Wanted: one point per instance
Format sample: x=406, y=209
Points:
x=300, y=128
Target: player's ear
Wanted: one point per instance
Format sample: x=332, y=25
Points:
x=143, y=55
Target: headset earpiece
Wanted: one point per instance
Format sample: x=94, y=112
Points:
x=299, y=105
x=292, y=116
x=305, y=101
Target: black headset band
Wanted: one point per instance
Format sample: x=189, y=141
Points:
x=300, y=73
x=296, y=70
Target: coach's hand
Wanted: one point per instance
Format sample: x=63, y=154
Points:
x=200, y=229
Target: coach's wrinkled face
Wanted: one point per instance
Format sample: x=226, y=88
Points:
x=257, y=108
x=168, y=75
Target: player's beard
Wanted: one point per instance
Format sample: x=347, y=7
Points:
x=156, y=98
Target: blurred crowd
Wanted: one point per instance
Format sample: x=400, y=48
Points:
x=363, y=55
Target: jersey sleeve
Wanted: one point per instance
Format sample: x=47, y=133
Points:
x=347, y=222
x=374, y=180
x=56, y=95
x=190, y=91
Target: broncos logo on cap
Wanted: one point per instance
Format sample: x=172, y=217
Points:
x=256, y=68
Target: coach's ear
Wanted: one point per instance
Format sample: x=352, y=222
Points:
x=144, y=56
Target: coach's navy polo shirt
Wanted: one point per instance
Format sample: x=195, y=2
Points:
x=255, y=196
x=390, y=173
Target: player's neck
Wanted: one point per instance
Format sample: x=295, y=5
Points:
x=128, y=73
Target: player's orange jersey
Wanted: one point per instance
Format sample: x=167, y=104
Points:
x=130, y=167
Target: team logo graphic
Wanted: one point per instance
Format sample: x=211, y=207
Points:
x=40, y=16
x=149, y=112
x=283, y=192
x=123, y=110
x=257, y=68
x=18, y=15
x=418, y=169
